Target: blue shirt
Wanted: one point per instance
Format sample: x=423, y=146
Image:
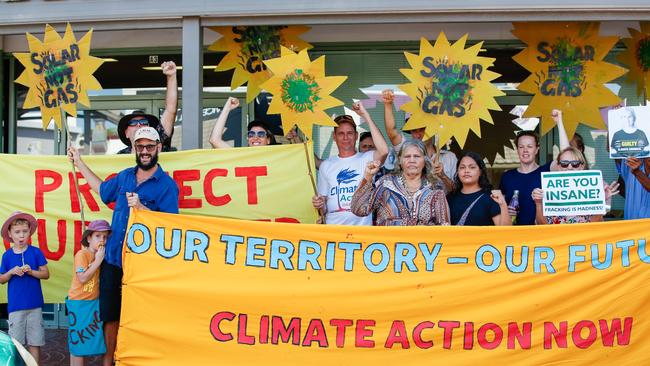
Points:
x=525, y=183
x=637, y=199
x=158, y=193
x=24, y=292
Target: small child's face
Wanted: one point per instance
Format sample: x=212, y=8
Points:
x=97, y=239
x=19, y=234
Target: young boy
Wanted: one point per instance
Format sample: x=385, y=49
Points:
x=85, y=279
x=24, y=266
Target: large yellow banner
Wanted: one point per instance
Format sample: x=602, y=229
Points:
x=265, y=183
x=201, y=291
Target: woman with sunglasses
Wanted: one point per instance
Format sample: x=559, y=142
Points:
x=258, y=133
x=569, y=159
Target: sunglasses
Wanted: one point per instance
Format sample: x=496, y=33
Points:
x=573, y=163
x=138, y=122
x=149, y=148
x=260, y=134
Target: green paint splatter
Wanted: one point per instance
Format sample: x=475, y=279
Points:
x=643, y=54
x=300, y=92
x=258, y=43
x=566, y=64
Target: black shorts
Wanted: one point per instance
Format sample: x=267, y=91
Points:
x=110, y=292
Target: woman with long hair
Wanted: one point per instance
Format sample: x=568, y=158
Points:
x=409, y=195
x=473, y=202
x=258, y=132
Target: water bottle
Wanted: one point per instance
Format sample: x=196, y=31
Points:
x=514, y=206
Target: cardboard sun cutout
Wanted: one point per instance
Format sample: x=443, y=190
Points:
x=248, y=47
x=637, y=58
x=567, y=72
x=450, y=89
x=59, y=73
x=301, y=91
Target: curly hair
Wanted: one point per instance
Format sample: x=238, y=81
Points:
x=483, y=180
x=427, y=174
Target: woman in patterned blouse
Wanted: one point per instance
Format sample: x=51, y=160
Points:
x=409, y=195
x=569, y=159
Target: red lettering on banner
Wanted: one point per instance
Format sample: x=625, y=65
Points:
x=576, y=334
x=559, y=335
x=362, y=333
x=42, y=239
x=282, y=332
x=468, y=339
x=483, y=339
x=622, y=336
x=340, y=325
x=315, y=333
x=207, y=188
x=264, y=329
x=182, y=176
x=242, y=337
x=417, y=334
x=523, y=337
x=84, y=189
x=251, y=173
x=397, y=334
x=40, y=188
x=214, y=326
x=448, y=327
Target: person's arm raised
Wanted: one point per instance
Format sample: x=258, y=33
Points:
x=381, y=148
x=171, y=97
x=93, y=180
x=216, y=137
x=395, y=137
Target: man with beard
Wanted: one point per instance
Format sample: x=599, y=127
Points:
x=145, y=186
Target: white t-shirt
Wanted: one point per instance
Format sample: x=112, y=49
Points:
x=338, y=179
x=447, y=158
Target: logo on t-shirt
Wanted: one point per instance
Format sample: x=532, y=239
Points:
x=344, y=193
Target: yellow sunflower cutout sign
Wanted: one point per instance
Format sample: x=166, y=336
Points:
x=248, y=47
x=59, y=73
x=637, y=58
x=301, y=91
x=567, y=72
x=450, y=89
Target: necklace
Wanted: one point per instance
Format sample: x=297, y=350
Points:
x=408, y=191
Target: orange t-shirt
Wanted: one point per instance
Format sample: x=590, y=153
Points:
x=90, y=289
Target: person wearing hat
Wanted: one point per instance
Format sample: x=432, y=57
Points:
x=85, y=284
x=339, y=176
x=145, y=186
x=445, y=169
x=24, y=266
x=165, y=126
x=259, y=132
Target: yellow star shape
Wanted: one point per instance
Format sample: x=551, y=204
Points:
x=248, y=47
x=567, y=72
x=59, y=73
x=637, y=58
x=301, y=91
x=450, y=89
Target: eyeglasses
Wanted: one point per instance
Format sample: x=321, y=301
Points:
x=149, y=148
x=138, y=122
x=573, y=163
x=260, y=134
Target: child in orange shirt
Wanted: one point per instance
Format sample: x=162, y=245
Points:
x=85, y=329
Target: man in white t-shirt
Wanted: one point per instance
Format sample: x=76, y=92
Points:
x=339, y=176
x=445, y=169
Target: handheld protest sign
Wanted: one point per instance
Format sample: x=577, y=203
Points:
x=567, y=72
x=629, y=128
x=450, y=89
x=59, y=73
x=301, y=91
x=637, y=58
x=572, y=193
x=248, y=47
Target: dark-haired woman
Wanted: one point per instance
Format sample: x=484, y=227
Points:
x=473, y=202
x=259, y=133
